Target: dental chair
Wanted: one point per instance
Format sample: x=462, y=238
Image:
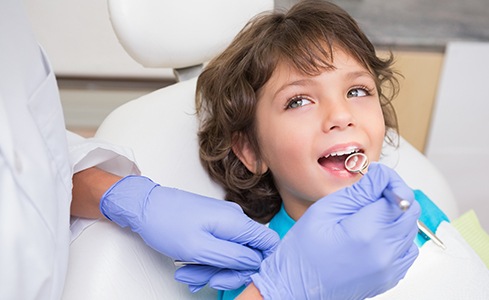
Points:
x=107, y=262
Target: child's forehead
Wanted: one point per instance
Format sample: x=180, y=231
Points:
x=287, y=72
x=315, y=65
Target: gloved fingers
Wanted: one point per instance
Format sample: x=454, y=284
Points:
x=402, y=246
x=259, y=237
x=230, y=223
x=388, y=178
x=411, y=237
x=195, y=288
x=195, y=275
x=379, y=178
x=400, y=235
x=398, y=191
x=223, y=254
x=407, y=222
x=411, y=254
x=381, y=223
x=404, y=262
x=373, y=218
x=208, y=249
x=239, y=237
x=227, y=279
x=405, y=225
x=252, y=234
x=397, y=270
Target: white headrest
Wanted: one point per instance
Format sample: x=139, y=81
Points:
x=179, y=33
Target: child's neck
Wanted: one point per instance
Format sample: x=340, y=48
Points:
x=296, y=209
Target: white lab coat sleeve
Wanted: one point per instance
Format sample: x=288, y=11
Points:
x=90, y=152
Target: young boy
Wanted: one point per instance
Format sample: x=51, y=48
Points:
x=285, y=104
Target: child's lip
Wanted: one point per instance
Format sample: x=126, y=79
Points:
x=342, y=149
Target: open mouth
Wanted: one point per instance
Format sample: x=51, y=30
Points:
x=336, y=160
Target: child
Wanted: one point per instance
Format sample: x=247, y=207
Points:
x=276, y=60
x=285, y=104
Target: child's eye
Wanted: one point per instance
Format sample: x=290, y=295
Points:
x=297, y=102
x=358, y=92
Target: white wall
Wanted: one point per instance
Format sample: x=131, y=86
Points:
x=458, y=142
x=79, y=39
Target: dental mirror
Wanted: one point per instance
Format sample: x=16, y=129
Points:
x=356, y=163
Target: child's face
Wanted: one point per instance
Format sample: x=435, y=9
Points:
x=303, y=119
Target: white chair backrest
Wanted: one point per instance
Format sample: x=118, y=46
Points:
x=179, y=33
x=161, y=129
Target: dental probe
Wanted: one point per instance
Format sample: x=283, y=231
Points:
x=426, y=231
x=358, y=163
x=404, y=205
x=181, y=263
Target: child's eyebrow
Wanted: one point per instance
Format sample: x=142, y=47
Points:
x=358, y=74
x=308, y=81
x=299, y=82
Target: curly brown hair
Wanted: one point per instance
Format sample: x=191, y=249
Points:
x=226, y=96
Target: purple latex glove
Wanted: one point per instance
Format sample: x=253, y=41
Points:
x=190, y=227
x=352, y=244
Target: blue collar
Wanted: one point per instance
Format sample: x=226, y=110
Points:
x=281, y=222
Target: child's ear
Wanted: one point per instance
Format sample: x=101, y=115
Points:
x=246, y=154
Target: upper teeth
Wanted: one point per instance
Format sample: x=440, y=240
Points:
x=349, y=150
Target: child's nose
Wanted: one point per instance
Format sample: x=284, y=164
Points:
x=337, y=117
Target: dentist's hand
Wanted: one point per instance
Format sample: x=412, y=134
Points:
x=190, y=227
x=352, y=244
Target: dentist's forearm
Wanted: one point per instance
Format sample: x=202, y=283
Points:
x=88, y=187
